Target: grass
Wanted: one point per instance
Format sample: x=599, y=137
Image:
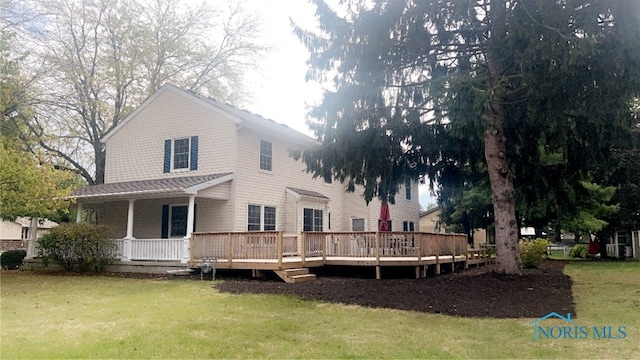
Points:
x=45, y=316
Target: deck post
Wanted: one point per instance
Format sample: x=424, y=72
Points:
x=418, y=275
x=303, y=247
x=279, y=249
x=437, y=254
x=453, y=253
x=229, y=248
x=466, y=258
x=378, y=275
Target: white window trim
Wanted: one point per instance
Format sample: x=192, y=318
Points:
x=314, y=208
x=262, y=206
x=173, y=148
x=260, y=169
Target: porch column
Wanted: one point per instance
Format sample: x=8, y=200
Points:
x=130, y=221
x=79, y=214
x=187, y=238
x=190, y=213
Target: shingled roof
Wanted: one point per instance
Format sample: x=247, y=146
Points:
x=306, y=193
x=185, y=185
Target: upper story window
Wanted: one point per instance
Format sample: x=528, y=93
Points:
x=181, y=154
x=266, y=156
x=407, y=189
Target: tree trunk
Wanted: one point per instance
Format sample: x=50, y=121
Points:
x=99, y=154
x=503, y=193
x=500, y=175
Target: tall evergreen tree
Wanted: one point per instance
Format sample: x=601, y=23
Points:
x=504, y=88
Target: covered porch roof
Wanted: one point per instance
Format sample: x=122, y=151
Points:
x=174, y=186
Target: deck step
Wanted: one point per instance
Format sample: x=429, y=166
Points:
x=294, y=276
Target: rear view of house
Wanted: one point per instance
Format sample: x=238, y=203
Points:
x=183, y=163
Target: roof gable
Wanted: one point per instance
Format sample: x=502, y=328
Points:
x=238, y=116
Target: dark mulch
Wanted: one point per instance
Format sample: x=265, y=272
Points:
x=477, y=292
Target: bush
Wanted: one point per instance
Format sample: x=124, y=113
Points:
x=78, y=247
x=579, y=251
x=12, y=259
x=533, y=252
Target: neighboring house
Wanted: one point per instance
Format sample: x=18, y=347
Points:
x=430, y=222
x=624, y=243
x=14, y=233
x=20, y=228
x=183, y=163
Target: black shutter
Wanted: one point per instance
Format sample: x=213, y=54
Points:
x=165, y=222
x=193, y=163
x=167, y=156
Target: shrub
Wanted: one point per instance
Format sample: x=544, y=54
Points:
x=78, y=247
x=533, y=252
x=12, y=259
x=579, y=251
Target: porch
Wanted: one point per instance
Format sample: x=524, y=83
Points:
x=624, y=244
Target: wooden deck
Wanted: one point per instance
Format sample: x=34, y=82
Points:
x=277, y=251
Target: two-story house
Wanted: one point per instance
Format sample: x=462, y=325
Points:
x=184, y=163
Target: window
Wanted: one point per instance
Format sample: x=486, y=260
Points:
x=408, y=226
x=181, y=154
x=178, y=221
x=266, y=155
x=312, y=220
x=269, y=218
x=407, y=189
x=388, y=225
x=357, y=224
x=253, y=218
x=261, y=218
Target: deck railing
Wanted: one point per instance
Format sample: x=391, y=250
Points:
x=274, y=245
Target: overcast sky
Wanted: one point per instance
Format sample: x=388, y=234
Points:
x=281, y=93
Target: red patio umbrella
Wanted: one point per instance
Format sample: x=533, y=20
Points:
x=385, y=216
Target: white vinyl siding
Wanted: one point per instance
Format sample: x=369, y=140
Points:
x=135, y=151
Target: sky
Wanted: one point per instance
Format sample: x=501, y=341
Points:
x=280, y=93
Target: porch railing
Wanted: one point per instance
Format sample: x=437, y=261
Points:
x=152, y=249
x=612, y=250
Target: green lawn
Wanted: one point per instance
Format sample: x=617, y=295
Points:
x=106, y=317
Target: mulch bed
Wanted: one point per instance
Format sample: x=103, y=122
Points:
x=477, y=292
